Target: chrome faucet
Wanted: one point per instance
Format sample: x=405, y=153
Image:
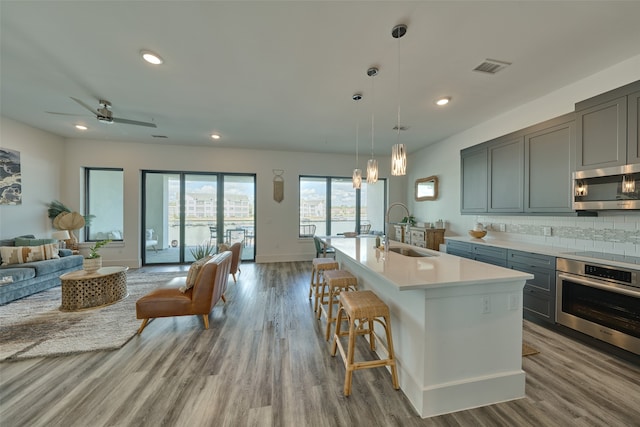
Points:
x=386, y=219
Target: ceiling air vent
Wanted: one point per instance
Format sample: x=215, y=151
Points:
x=159, y=136
x=491, y=66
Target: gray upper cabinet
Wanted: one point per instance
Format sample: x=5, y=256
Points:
x=633, y=132
x=529, y=171
x=602, y=135
x=548, y=161
x=506, y=174
x=524, y=172
x=473, y=178
x=603, y=125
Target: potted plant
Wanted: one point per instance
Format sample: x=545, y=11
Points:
x=409, y=220
x=201, y=251
x=56, y=207
x=93, y=261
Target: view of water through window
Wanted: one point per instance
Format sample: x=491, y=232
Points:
x=338, y=214
x=218, y=208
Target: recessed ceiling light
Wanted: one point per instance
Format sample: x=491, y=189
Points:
x=81, y=127
x=215, y=136
x=151, y=57
x=443, y=101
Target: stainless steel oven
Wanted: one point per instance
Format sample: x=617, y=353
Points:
x=600, y=300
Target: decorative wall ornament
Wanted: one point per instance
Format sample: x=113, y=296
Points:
x=278, y=185
x=10, y=177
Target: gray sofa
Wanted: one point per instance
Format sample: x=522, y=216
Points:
x=32, y=277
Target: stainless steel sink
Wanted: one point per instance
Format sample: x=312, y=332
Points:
x=409, y=252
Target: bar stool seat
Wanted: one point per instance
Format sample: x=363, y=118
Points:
x=318, y=267
x=335, y=282
x=363, y=307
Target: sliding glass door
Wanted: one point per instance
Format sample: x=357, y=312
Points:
x=182, y=211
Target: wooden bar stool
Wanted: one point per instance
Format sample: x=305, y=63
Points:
x=366, y=308
x=335, y=282
x=318, y=267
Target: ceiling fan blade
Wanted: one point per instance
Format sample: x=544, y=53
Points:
x=84, y=105
x=134, y=122
x=65, y=114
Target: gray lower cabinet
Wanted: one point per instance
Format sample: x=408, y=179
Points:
x=478, y=252
x=490, y=254
x=548, y=161
x=539, y=294
x=461, y=249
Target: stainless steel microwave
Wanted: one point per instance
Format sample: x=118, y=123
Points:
x=611, y=188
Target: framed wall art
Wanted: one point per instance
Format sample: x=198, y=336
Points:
x=10, y=179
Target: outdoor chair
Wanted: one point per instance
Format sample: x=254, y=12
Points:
x=307, y=230
x=151, y=239
x=322, y=250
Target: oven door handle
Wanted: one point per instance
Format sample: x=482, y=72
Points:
x=593, y=284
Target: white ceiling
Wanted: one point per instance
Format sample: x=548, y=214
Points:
x=280, y=75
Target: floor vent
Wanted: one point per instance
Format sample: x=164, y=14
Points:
x=491, y=66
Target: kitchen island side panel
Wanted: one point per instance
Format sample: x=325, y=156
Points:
x=451, y=354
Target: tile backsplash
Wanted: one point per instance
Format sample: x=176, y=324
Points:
x=611, y=232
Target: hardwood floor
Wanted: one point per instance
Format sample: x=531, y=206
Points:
x=264, y=362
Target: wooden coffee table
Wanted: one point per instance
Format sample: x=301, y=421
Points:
x=82, y=290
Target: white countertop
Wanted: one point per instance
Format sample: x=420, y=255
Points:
x=611, y=259
x=407, y=273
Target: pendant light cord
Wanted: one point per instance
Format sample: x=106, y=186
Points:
x=373, y=99
x=357, y=136
x=398, y=124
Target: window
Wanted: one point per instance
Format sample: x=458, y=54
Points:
x=333, y=206
x=104, y=202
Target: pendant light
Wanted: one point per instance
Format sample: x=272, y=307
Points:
x=372, y=164
x=399, y=151
x=357, y=173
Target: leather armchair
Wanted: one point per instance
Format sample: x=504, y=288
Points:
x=169, y=301
x=236, y=251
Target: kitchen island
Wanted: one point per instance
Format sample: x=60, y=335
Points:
x=457, y=323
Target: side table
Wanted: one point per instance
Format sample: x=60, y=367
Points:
x=82, y=290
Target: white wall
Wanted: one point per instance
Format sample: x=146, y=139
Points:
x=41, y=164
x=51, y=169
x=443, y=159
x=277, y=223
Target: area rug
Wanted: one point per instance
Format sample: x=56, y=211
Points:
x=35, y=327
x=527, y=350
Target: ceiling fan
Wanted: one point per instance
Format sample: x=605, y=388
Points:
x=104, y=115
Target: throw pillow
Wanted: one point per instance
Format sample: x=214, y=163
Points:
x=22, y=241
x=192, y=275
x=23, y=254
x=65, y=252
